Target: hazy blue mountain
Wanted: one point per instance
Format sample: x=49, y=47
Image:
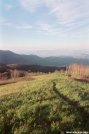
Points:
x=8, y=57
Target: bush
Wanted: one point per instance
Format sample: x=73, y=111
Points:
x=17, y=73
x=29, y=71
x=4, y=76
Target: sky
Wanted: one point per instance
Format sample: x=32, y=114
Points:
x=32, y=25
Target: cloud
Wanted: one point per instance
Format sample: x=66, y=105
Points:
x=62, y=16
x=30, y=5
x=70, y=16
x=55, y=29
x=26, y=26
x=8, y=6
x=4, y=21
x=46, y=27
x=50, y=29
x=66, y=11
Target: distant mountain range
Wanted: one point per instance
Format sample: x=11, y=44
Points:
x=8, y=57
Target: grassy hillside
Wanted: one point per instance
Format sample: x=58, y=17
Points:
x=49, y=104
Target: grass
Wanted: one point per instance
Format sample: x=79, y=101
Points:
x=49, y=104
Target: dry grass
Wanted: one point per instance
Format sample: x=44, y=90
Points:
x=80, y=71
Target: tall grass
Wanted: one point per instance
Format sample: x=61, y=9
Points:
x=79, y=70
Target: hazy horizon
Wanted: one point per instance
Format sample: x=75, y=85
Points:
x=46, y=53
x=36, y=25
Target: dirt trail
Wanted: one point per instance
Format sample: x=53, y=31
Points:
x=85, y=114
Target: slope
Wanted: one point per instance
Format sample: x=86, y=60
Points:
x=52, y=103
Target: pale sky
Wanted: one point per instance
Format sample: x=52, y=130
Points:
x=30, y=25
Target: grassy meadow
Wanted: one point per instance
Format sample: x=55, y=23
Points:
x=48, y=104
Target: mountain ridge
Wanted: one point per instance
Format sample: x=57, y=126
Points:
x=9, y=57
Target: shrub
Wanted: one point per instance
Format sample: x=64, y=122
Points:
x=17, y=73
x=29, y=71
x=4, y=76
